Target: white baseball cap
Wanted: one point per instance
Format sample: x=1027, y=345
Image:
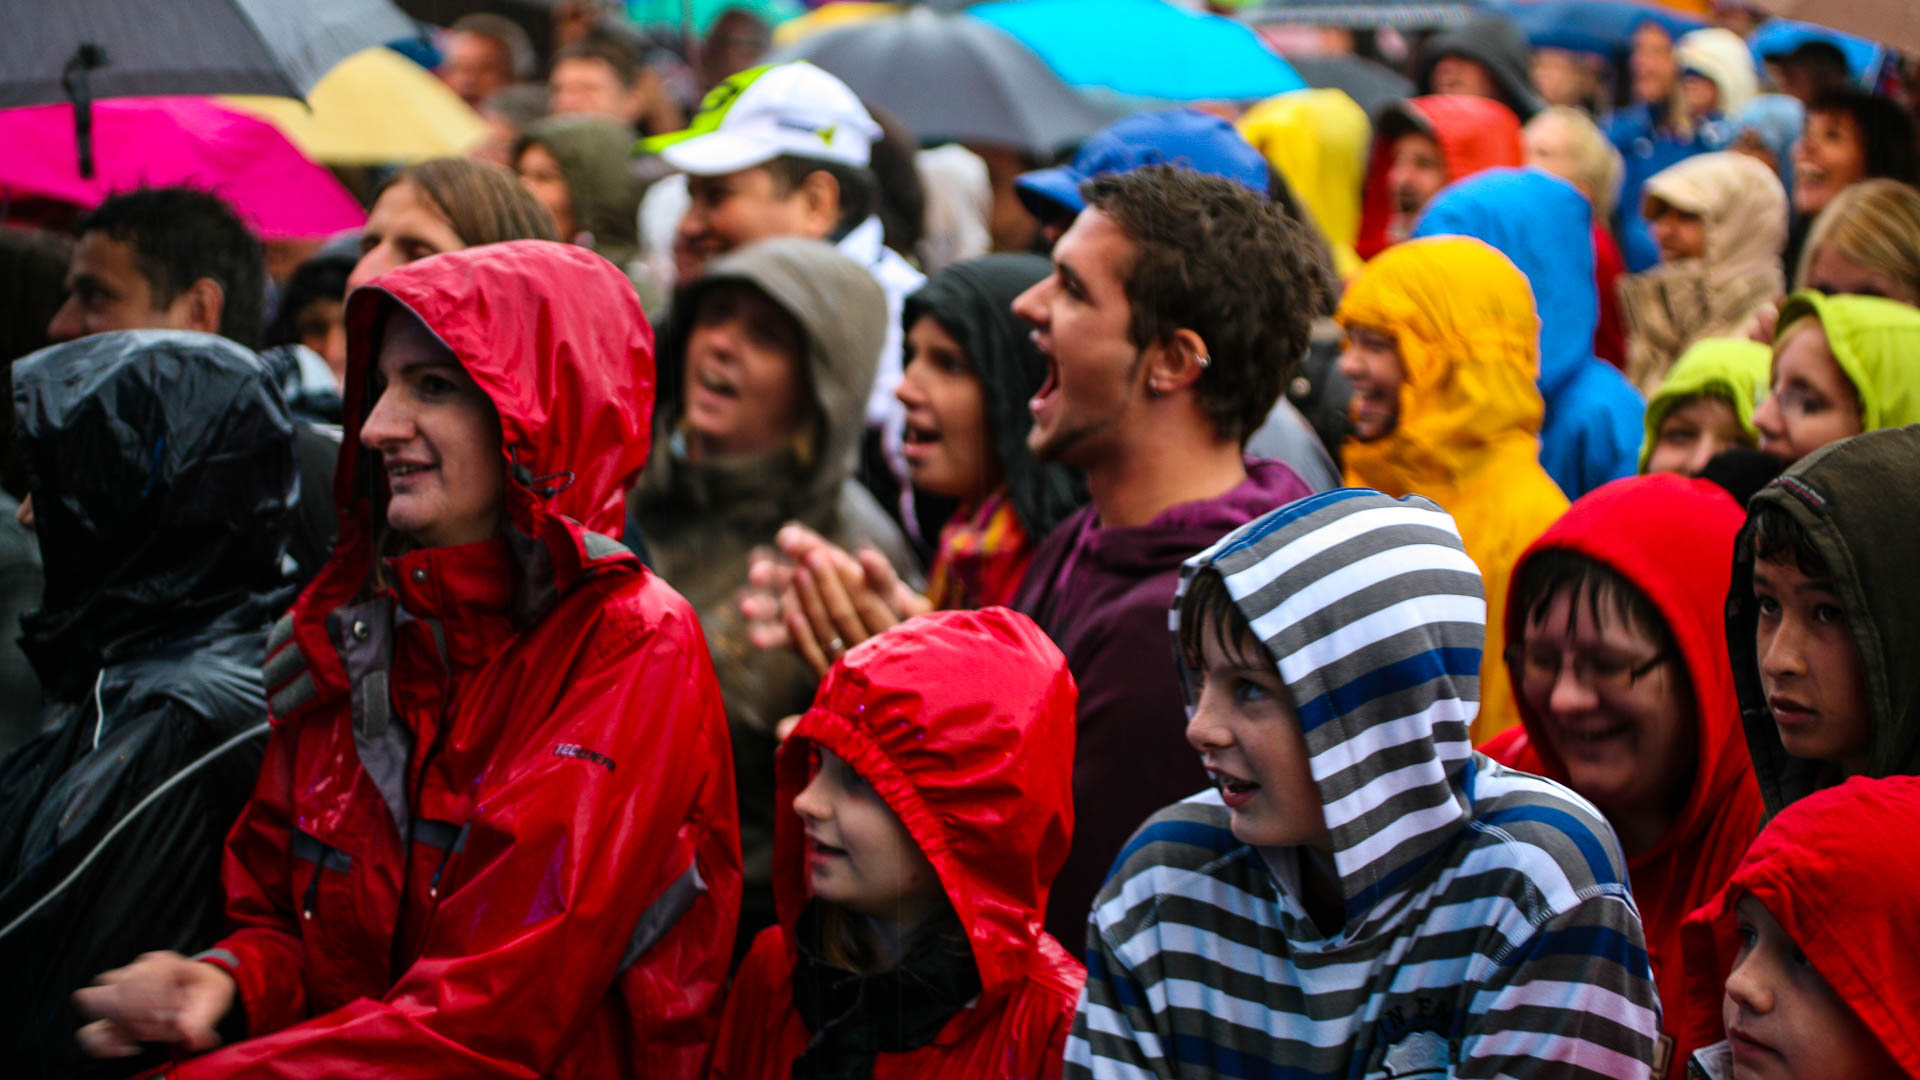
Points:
x=761, y=113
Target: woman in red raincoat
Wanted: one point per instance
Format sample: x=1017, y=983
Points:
x=931, y=786
x=494, y=833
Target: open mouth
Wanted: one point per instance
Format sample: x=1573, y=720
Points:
x=1595, y=735
x=918, y=435
x=826, y=849
x=1230, y=784
x=715, y=385
x=1052, y=382
x=397, y=471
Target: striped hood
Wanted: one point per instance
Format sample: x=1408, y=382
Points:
x=1374, y=616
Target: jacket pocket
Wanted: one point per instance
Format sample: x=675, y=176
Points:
x=326, y=859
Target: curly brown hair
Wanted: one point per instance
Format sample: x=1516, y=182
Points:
x=1216, y=258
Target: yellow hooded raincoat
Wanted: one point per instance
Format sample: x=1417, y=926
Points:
x=1469, y=426
x=1319, y=141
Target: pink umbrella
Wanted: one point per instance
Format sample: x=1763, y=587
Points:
x=195, y=142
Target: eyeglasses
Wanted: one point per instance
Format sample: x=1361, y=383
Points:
x=1539, y=669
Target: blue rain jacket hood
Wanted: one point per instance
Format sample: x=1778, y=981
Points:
x=1591, y=433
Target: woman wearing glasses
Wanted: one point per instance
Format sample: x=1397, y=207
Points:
x=1617, y=650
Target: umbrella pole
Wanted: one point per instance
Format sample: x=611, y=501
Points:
x=87, y=57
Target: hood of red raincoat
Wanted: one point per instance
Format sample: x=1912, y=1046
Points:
x=1836, y=871
x=1672, y=538
x=963, y=722
x=1474, y=133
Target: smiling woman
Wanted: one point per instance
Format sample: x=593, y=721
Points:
x=1619, y=665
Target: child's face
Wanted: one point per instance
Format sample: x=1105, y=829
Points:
x=1812, y=402
x=1782, y=1018
x=1693, y=432
x=1250, y=743
x=859, y=855
x=1810, y=667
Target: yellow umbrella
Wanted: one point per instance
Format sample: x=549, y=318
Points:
x=375, y=107
x=838, y=13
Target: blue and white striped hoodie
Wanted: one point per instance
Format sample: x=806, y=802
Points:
x=1488, y=927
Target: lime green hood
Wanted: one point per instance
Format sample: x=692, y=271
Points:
x=1732, y=369
x=1876, y=343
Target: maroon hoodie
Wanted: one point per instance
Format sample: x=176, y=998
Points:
x=1102, y=595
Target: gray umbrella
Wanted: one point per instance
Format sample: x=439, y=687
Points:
x=950, y=77
x=76, y=50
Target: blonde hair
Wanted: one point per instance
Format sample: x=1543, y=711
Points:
x=1875, y=223
x=1596, y=164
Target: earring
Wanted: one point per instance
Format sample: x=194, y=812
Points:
x=1203, y=360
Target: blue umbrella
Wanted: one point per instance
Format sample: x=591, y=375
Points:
x=1601, y=27
x=1778, y=37
x=1145, y=48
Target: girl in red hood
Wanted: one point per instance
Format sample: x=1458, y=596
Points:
x=1618, y=658
x=931, y=787
x=1823, y=909
x=495, y=833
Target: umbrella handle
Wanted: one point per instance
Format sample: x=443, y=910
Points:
x=74, y=79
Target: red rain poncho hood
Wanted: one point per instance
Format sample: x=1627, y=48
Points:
x=1474, y=133
x=495, y=831
x=1839, y=872
x=963, y=723
x=1672, y=537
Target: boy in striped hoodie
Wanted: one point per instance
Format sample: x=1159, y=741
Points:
x=1360, y=894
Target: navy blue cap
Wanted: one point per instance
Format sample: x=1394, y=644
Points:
x=1197, y=140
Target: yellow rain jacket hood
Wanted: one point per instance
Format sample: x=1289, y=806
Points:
x=1318, y=140
x=1468, y=433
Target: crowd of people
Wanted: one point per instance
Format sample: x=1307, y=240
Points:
x=707, y=587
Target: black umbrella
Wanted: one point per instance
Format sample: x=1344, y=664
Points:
x=950, y=77
x=1371, y=85
x=77, y=50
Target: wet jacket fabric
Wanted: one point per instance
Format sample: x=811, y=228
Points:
x=1649, y=145
x=1467, y=436
x=494, y=832
x=1474, y=133
x=1101, y=594
x=1855, y=500
x=21, y=581
x=1675, y=304
x=1677, y=550
x=1487, y=928
x=595, y=154
x=962, y=722
x=1496, y=44
x=1874, y=341
x=702, y=520
x=1543, y=224
x=163, y=479
x=1318, y=140
x=1735, y=370
x=1826, y=872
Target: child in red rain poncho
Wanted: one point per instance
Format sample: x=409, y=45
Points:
x=1826, y=907
x=932, y=798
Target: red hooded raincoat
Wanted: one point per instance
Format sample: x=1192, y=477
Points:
x=1672, y=537
x=1474, y=133
x=963, y=722
x=494, y=835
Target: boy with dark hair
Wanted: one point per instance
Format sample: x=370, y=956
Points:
x=1357, y=893
x=164, y=258
x=1163, y=355
x=1819, y=623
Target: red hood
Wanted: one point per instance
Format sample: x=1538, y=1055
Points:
x=1672, y=537
x=963, y=721
x=555, y=336
x=1838, y=871
x=1474, y=133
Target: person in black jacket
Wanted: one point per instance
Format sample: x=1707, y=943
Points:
x=161, y=472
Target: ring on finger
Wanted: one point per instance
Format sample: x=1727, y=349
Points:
x=836, y=646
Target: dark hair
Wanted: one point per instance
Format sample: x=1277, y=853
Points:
x=33, y=277
x=789, y=171
x=1555, y=572
x=179, y=235
x=484, y=203
x=1207, y=611
x=1778, y=536
x=901, y=200
x=1886, y=130
x=513, y=40
x=1225, y=262
x=323, y=277
x=625, y=65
